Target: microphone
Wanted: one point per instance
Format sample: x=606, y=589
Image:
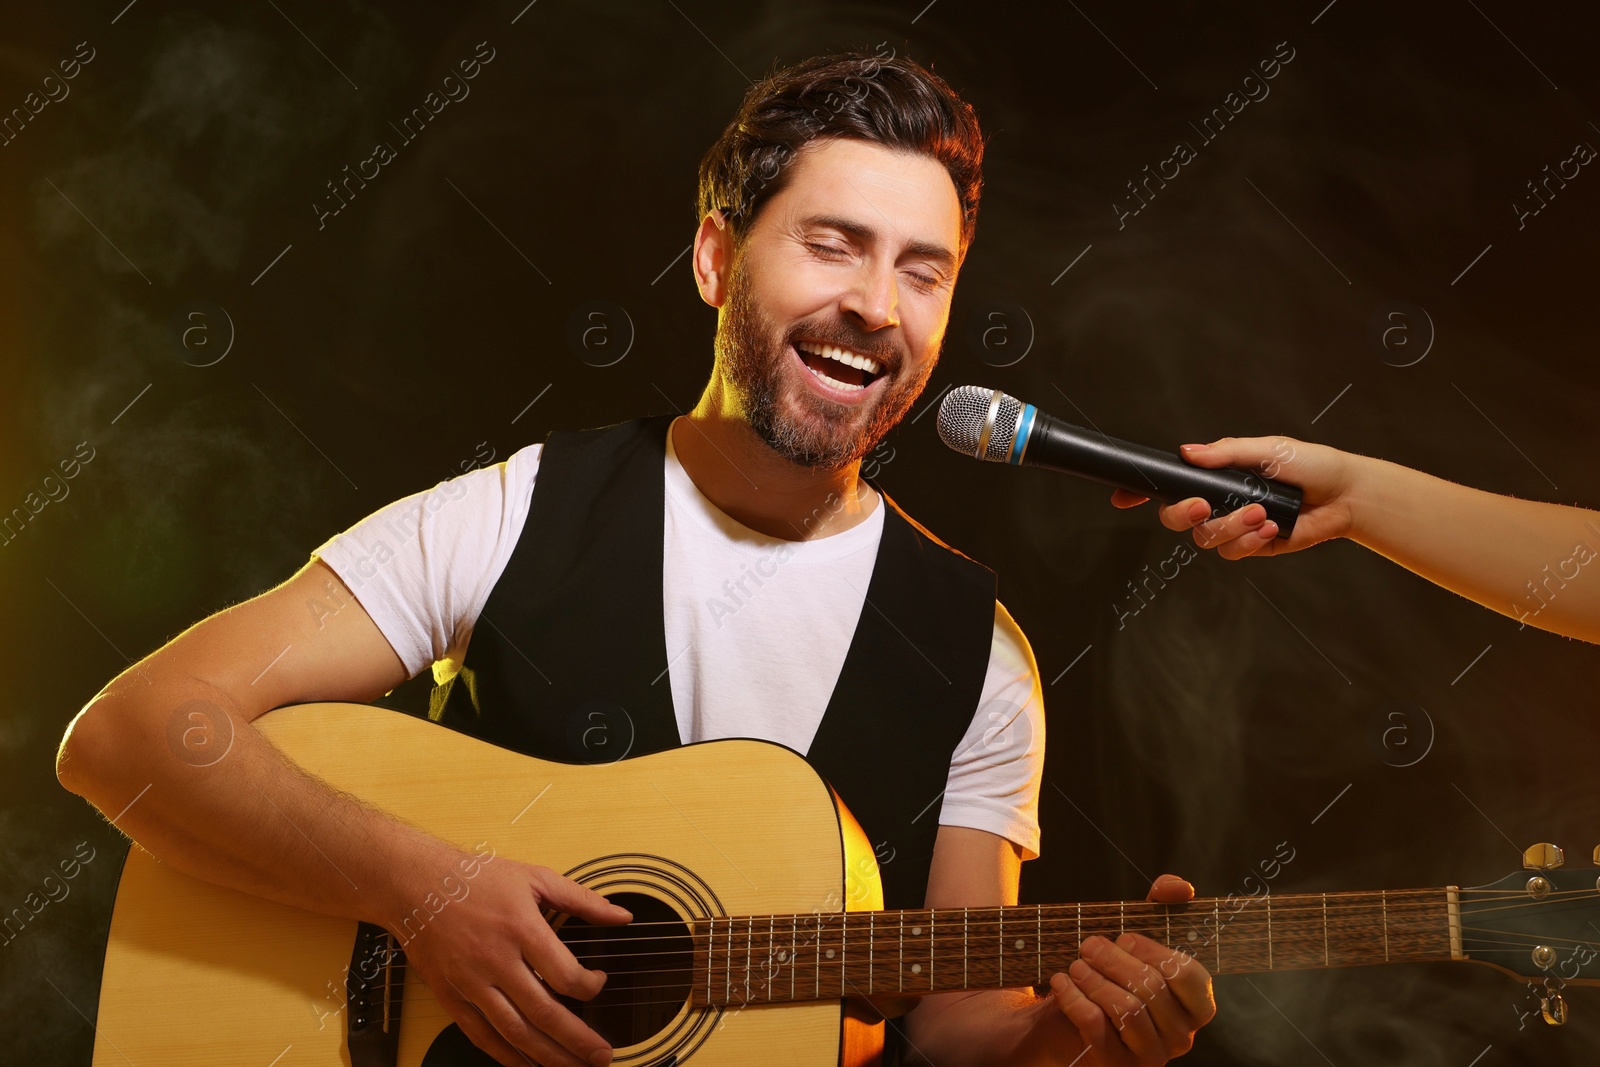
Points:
x=987, y=424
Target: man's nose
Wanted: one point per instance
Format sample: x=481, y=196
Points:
x=875, y=297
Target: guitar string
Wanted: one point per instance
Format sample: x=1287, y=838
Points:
x=860, y=966
x=1247, y=939
x=924, y=916
x=1280, y=912
x=1236, y=947
x=1399, y=921
x=946, y=949
x=976, y=915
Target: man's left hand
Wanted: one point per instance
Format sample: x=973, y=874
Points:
x=1130, y=1003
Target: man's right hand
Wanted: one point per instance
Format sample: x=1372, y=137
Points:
x=495, y=965
x=1325, y=476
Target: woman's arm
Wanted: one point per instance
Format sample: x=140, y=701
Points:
x=1523, y=558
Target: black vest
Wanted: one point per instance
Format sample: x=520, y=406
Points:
x=568, y=661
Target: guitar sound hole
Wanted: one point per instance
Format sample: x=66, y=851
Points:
x=648, y=964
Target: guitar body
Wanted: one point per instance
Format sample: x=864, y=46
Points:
x=198, y=975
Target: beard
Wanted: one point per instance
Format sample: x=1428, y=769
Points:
x=804, y=428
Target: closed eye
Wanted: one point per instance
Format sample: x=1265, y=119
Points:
x=923, y=281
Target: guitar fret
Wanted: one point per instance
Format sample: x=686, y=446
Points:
x=794, y=951
x=749, y=950
x=1383, y=901
x=965, y=948
x=818, y=971
x=838, y=953
x=844, y=946
x=1001, y=937
x=1080, y=926
x=1268, y=899
x=772, y=926
x=1325, y=929
x=869, y=952
x=1038, y=942
x=1216, y=922
x=931, y=942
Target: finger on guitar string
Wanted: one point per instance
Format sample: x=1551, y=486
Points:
x=495, y=951
x=532, y=1016
x=546, y=952
x=1104, y=975
x=1095, y=1028
x=1170, y=889
x=535, y=1023
x=1128, y=970
x=1174, y=985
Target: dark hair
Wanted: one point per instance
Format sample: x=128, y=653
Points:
x=882, y=99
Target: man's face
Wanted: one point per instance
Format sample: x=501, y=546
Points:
x=855, y=257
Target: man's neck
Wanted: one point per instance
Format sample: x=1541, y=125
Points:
x=753, y=485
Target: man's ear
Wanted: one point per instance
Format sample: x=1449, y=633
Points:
x=713, y=257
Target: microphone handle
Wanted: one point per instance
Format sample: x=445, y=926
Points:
x=1150, y=472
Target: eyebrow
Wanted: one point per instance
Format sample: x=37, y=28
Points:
x=866, y=234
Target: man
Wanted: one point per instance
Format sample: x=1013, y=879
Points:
x=795, y=603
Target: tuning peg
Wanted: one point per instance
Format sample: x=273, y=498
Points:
x=1544, y=857
x=1554, y=1009
x=1597, y=855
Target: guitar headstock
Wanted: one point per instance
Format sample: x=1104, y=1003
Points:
x=1541, y=923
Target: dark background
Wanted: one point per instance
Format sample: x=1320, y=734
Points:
x=398, y=344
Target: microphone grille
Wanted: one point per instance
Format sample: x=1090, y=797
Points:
x=962, y=417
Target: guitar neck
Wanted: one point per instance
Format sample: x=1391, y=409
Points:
x=777, y=958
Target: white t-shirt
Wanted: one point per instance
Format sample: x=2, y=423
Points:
x=757, y=628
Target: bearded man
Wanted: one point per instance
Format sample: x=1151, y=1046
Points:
x=734, y=553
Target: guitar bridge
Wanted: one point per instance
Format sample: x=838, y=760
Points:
x=374, y=988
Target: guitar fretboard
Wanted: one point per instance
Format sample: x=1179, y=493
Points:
x=776, y=958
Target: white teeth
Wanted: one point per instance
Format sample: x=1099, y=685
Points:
x=836, y=383
x=848, y=358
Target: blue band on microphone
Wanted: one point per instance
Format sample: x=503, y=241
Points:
x=1019, y=444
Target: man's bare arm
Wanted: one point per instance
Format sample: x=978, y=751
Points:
x=255, y=822
x=145, y=734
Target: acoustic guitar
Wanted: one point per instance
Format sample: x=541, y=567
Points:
x=758, y=932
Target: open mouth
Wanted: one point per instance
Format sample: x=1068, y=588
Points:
x=838, y=367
